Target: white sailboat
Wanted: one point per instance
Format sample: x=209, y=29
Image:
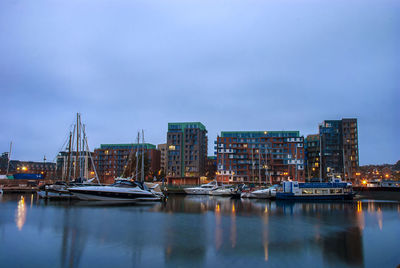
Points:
x=75, y=170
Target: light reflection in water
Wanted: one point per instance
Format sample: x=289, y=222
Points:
x=360, y=216
x=218, y=227
x=20, y=216
x=380, y=218
x=233, y=226
x=265, y=220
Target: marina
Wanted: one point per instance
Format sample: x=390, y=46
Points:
x=198, y=231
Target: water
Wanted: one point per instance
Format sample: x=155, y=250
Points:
x=198, y=231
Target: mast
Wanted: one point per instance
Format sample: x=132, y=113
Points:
x=266, y=164
x=142, y=169
x=77, y=147
x=259, y=166
x=9, y=157
x=252, y=164
x=320, y=157
x=90, y=156
x=137, y=156
x=296, y=163
x=69, y=157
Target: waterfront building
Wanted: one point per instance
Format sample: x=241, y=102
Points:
x=187, y=149
x=163, y=156
x=260, y=156
x=339, y=148
x=47, y=169
x=82, y=169
x=111, y=159
x=312, y=149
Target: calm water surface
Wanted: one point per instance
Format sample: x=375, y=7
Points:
x=198, y=231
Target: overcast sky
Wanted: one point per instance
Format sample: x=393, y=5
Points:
x=127, y=65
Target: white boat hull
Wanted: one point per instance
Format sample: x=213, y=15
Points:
x=260, y=194
x=197, y=191
x=221, y=192
x=91, y=197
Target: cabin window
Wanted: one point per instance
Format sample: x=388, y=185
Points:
x=321, y=191
x=336, y=191
x=307, y=191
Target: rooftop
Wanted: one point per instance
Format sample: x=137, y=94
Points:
x=183, y=125
x=259, y=134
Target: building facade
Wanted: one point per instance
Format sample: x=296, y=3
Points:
x=339, y=148
x=47, y=169
x=111, y=159
x=260, y=156
x=163, y=156
x=187, y=149
x=312, y=149
x=82, y=169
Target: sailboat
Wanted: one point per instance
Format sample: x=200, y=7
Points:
x=123, y=189
x=75, y=171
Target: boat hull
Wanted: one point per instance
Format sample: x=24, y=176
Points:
x=291, y=196
x=55, y=194
x=197, y=191
x=109, y=196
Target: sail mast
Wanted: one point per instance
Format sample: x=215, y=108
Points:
x=9, y=157
x=77, y=147
x=137, y=157
x=142, y=168
x=69, y=157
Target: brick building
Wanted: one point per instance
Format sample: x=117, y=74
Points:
x=312, y=149
x=163, y=156
x=111, y=159
x=339, y=148
x=187, y=149
x=47, y=169
x=260, y=156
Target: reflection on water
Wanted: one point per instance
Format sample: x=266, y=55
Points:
x=20, y=214
x=202, y=231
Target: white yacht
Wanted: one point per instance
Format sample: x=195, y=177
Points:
x=222, y=191
x=262, y=193
x=202, y=189
x=121, y=190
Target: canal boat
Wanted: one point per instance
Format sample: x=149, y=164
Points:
x=202, y=189
x=335, y=190
x=121, y=190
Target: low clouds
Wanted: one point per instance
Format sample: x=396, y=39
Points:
x=234, y=65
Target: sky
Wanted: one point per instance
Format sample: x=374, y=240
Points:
x=128, y=65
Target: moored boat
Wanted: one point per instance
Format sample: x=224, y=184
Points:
x=121, y=190
x=266, y=193
x=222, y=191
x=293, y=190
x=202, y=189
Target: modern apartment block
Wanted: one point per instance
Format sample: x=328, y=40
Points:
x=111, y=159
x=187, y=149
x=163, y=156
x=312, y=148
x=260, y=156
x=339, y=148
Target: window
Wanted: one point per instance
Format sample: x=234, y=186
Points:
x=307, y=191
